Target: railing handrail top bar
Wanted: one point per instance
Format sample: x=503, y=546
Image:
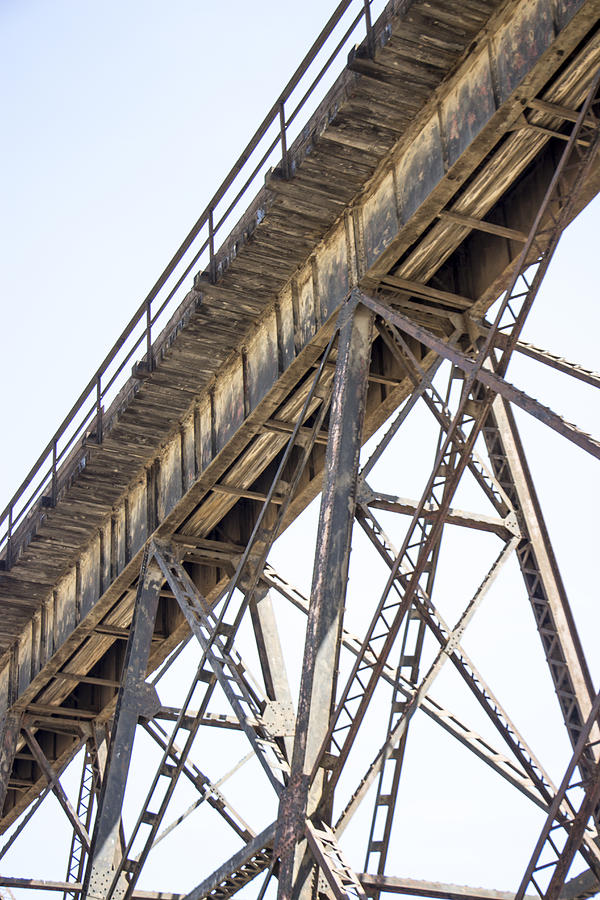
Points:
x=180, y=253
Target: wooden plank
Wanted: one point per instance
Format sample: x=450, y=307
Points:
x=490, y=227
x=557, y=109
x=416, y=288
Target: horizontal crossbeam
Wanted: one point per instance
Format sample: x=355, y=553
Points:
x=394, y=885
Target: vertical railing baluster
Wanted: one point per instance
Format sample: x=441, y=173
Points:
x=211, y=247
x=8, y=562
x=284, y=153
x=99, y=409
x=54, y=488
x=149, y=359
x=369, y=28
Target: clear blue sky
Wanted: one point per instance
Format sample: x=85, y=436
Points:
x=119, y=120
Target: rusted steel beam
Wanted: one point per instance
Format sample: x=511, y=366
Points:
x=342, y=880
x=441, y=412
x=552, y=360
x=550, y=605
x=239, y=869
x=37, y=884
x=133, y=698
x=411, y=887
x=550, y=857
x=582, y=887
x=209, y=792
x=57, y=788
x=455, y=452
x=89, y=788
x=405, y=506
x=323, y=635
x=272, y=662
x=588, y=376
x=487, y=377
x=392, y=763
x=400, y=718
x=172, y=764
x=225, y=664
x=470, y=739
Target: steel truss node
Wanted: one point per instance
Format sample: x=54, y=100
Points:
x=300, y=757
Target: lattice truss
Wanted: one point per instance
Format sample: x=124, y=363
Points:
x=312, y=766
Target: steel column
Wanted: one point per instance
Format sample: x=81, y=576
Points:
x=133, y=697
x=323, y=635
x=272, y=661
x=562, y=646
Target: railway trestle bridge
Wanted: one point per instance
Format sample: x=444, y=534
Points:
x=372, y=257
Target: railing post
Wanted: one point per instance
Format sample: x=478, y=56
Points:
x=149, y=359
x=99, y=409
x=8, y=562
x=211, y=248
x=369, y=28
x=54, y=487
x=284, y=153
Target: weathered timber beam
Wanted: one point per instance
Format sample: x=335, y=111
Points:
x=556, y=109
x=342, y=879
x=480, y=225
x=540, y=129
x=375, y=377
x=66, y=712
x=242, y=492
x=121, y=634
x=415, y=288
x=74, y=727
x=218, y=547
x=87, y=679
x=280, y=426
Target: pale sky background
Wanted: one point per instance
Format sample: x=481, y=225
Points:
x=119, y=121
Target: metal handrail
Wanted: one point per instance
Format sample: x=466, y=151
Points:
x=91, y=400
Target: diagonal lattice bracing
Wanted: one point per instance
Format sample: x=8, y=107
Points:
x=560, y=840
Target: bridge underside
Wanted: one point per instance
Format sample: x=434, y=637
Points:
x=413, y=206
